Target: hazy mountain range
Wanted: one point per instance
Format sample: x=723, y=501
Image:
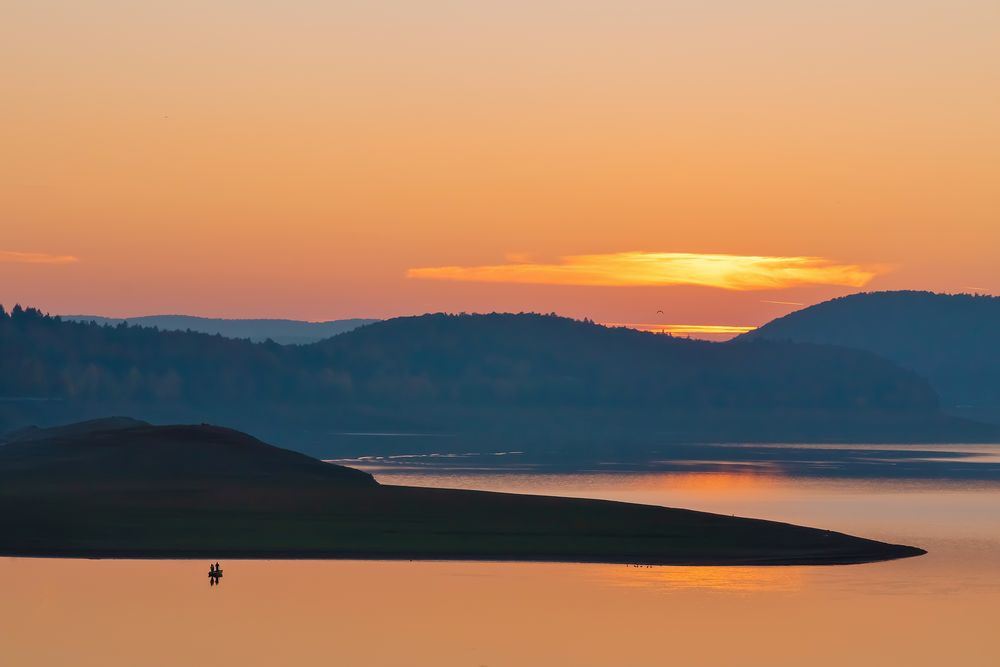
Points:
x=285, y=332
x=533, y=381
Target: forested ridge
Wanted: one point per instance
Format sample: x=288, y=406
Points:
x=953, y=340
x=437, y=371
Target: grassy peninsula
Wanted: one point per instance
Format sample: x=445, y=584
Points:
x=123, y=488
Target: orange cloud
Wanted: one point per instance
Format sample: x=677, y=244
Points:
x=732, y=272
x=12, y=257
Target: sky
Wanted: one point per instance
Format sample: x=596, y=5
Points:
x=720, y=161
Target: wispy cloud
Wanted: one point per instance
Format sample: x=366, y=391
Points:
x=732, y=272
x=13, y=257
x=783, y=303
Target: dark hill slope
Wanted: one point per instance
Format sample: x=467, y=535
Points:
x=208, y=492
x=951, y=339
x=546, y=360
x=144, y=454
x=537, y=377
x=69, y=430
x=535, y=380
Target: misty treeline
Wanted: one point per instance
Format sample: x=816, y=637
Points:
x=444, y=361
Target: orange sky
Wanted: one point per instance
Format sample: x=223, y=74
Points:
x=309, y=159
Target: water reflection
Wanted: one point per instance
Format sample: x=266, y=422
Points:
x=730, y=579
x=214, y=574
x=939, y=609
x=850, y=461
x=386, y=614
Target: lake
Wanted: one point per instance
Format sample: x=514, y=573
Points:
x=938, y=609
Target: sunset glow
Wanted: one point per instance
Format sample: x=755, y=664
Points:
x=696, y=330
x=596, y=333
x=302, y=160
x=732, y=272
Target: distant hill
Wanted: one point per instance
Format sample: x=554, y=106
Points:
x=541, y=360
x=285, y=332
x=209, y=492
x=951, y=339
x=535, y=380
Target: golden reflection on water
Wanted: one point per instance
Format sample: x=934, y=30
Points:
x=935, y=610
x=739, y=479
x=402, y=614
x=704, y=578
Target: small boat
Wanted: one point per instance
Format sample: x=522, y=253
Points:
x=215, y=574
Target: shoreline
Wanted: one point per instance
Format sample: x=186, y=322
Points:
x=203, y=492
x=913, y=552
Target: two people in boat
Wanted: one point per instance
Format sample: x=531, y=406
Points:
x=214, y=569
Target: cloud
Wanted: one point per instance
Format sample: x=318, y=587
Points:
x=731, y=272
x=12, y=257
x=783, y=303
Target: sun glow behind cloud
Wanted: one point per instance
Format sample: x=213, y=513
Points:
x=638, y=268
x=12, y=257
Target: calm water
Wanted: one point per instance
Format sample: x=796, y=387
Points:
x=940, y=609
